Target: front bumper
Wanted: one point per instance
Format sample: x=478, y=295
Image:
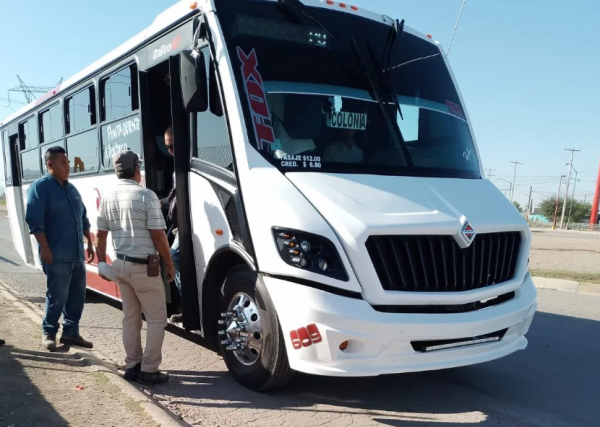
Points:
x=380, y=343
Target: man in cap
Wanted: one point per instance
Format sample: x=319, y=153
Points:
x=132, y=214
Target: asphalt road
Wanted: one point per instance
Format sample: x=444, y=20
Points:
x=554, y=382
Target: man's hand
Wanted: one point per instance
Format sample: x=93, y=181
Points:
x=46, y=255
x=170, y=273
x=91, y=253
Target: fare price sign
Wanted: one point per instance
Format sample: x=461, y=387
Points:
x=301, y=161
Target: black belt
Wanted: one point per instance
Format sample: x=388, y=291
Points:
x=132, y=260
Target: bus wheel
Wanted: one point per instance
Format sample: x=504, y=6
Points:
x=250, y=336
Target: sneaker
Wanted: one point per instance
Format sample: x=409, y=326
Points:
x=49, y=342
x=131, y=374
x=176, y=318
x=75, y=340
x=152, y=378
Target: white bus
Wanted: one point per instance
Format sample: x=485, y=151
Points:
x=333, y=213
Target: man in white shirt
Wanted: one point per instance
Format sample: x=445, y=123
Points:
x=343, y=150
x=133, y=216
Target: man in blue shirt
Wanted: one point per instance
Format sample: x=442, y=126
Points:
x=57, y=217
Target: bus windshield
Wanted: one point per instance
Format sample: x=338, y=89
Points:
x=311, y=105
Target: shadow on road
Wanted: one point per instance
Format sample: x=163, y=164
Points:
x=557, y=376
x=22, y=403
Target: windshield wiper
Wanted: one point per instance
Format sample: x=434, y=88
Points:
x=376, y=92
x=397, y=31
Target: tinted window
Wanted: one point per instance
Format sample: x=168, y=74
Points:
x=83, y=152
x=212, y=137
x=119, y=95
x=31, y=163
x=7, y=158
x=122, y=135
x=51, y=124
x=80, y=111
x=28, y=134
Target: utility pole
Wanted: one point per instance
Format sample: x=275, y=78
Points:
x=564, y=208
x=557, y=199
x=572, y=197
x=512, y=192
x=529, y=202
x=490, y=173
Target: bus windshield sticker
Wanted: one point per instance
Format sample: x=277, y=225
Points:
x=300, y=161
x=257, y=99
x=455, y=110
x=346, y=120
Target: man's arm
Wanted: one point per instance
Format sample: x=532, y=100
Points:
x=102, y=239
x=35, y=217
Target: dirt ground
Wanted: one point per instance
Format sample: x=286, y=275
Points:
x=565, y=251
x=38, y=388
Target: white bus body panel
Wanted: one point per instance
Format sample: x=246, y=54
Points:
x=16, y=217
x=380, y=343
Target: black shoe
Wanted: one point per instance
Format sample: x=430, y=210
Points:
x=2, y=342
x=131, y=374
x=75, y=340
x=153, y=378
x=49, y=342
x=176, y=318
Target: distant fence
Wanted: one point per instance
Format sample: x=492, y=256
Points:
x=580, y=226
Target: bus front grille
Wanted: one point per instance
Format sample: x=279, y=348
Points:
x=439, y=264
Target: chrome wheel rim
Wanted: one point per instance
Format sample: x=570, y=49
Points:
x=243, y=333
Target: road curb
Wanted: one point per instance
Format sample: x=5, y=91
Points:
x=161, y=415
x=570, y=286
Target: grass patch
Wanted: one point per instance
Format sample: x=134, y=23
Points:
x=568, y=275
x=2, y=201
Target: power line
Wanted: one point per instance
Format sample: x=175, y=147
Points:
x=456, y=27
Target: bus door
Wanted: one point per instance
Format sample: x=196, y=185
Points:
x=16, y=200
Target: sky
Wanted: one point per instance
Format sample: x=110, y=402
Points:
x=528, y=71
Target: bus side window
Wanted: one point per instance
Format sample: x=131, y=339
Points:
x=212, y=136
x=51, y=127
x=82, y=137
x=31, y=161
x=119, y=94
x=7, y=157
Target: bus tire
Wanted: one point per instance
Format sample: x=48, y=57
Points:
x=263, y=364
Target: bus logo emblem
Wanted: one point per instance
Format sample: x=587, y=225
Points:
x=468, y=232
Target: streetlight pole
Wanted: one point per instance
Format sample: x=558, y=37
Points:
x=564, y=208
x=512, y=191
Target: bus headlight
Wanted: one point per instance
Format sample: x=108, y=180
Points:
x=309, y=252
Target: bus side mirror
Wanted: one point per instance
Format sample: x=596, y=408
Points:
x=194, y=82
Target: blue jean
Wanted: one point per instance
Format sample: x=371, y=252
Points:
x=65, y=295
x=176, y=262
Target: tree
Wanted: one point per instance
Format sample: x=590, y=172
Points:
x=578, y=210
x=518, y=206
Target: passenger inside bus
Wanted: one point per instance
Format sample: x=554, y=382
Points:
x=284, y=114
x=344, y=150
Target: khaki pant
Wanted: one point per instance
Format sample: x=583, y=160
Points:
x=141, y=293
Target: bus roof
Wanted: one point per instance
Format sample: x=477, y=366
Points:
x=169, y=17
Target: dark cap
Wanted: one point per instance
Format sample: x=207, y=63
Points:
x=125, y=160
